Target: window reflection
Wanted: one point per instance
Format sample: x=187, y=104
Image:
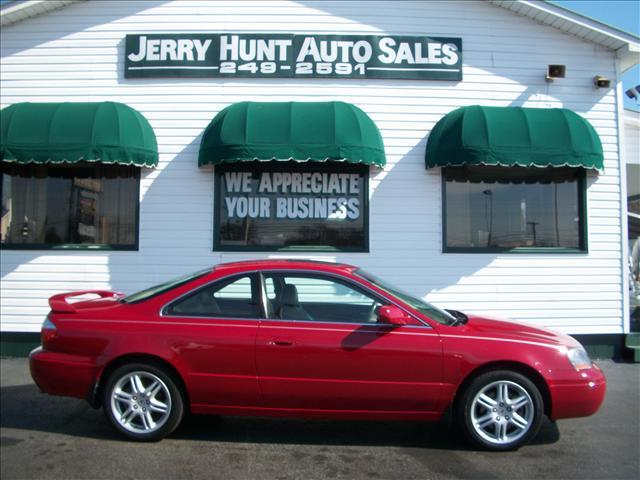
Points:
x=86, y=204
x=505, y=208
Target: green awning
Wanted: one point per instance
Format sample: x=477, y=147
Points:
x=105, y=132
x=514, y=136
x=300, y=131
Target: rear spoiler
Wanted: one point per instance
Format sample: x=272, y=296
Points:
x=58, y=303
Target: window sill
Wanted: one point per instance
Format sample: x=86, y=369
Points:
x=73, y=247
x=517, y=250
x=306, y=248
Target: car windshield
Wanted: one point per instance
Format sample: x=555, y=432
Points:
x=429, y=310
x=163, y=287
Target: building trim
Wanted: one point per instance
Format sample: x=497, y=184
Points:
x=625, y=44
x=624, y=223
x=17, y=11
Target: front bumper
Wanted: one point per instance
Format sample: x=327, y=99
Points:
x=579, y=396
x=61, y=373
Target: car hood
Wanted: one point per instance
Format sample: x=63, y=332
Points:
x=514, y=330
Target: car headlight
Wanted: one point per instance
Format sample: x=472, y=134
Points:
x=579, y=358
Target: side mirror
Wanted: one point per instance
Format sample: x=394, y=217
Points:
x=392, y=315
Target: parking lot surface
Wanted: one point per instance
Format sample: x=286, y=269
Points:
x=55, y=437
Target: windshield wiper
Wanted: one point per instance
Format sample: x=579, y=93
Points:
x=459, y=317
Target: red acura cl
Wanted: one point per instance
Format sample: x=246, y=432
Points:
x=309, y=339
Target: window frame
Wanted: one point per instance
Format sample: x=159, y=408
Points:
x=583, y=231
x=347, y=281
x=82, y=246
x=263, y=298
x=373, y=296
x=275, y=166
x=256, y=281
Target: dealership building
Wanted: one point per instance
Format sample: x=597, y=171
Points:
x=472, y=153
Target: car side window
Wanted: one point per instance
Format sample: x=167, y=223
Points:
x=318, y=298
x=270, y=288
x=236, y=297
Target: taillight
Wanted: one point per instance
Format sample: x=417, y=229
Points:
x=48, y=331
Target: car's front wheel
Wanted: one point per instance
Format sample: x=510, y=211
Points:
x=143, y=402
x=500, y=410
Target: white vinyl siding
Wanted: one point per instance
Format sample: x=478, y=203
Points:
x=632, y=139
x=76, y=54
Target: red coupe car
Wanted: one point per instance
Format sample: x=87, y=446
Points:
x=308, y=339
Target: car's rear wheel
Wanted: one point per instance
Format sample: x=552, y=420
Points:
x=500, y=410
x=143, y=402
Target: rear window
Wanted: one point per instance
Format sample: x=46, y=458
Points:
x=164, y=287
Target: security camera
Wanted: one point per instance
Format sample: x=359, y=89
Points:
x=555, y=71
x=601, y=82
x=633, y=92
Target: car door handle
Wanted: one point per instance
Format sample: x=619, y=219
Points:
x=281, y=342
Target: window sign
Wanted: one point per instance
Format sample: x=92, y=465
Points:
x=288, y=55
x=291, y=205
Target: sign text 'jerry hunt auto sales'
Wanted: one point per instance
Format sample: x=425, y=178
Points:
x=289, y=55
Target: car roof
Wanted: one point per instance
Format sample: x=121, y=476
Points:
x=283, y=264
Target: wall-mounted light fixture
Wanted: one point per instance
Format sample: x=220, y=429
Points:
x=555, y=71
x=601, y=82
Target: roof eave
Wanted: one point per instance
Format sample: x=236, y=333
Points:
x=17, y=11
x=626, y=45
x=629, y=56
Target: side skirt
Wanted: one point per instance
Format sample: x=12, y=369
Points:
x=314, y=414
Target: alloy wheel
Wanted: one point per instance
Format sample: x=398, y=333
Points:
x=140, y=402
x=502, y=412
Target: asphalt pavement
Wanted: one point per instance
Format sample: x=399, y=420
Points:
x=54, y=437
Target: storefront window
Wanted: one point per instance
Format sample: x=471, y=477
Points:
x=84, y=204
x=504, y=209
x=291, y=205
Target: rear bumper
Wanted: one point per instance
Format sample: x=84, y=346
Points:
x=578, y=397
x=62, y=374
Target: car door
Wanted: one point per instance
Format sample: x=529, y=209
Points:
x=218, y=327
x=321, y=348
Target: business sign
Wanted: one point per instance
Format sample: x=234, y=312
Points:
x=287, y=55
x=287, y=204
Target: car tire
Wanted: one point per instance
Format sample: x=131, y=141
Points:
x=500, y=410
x=143, y=401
